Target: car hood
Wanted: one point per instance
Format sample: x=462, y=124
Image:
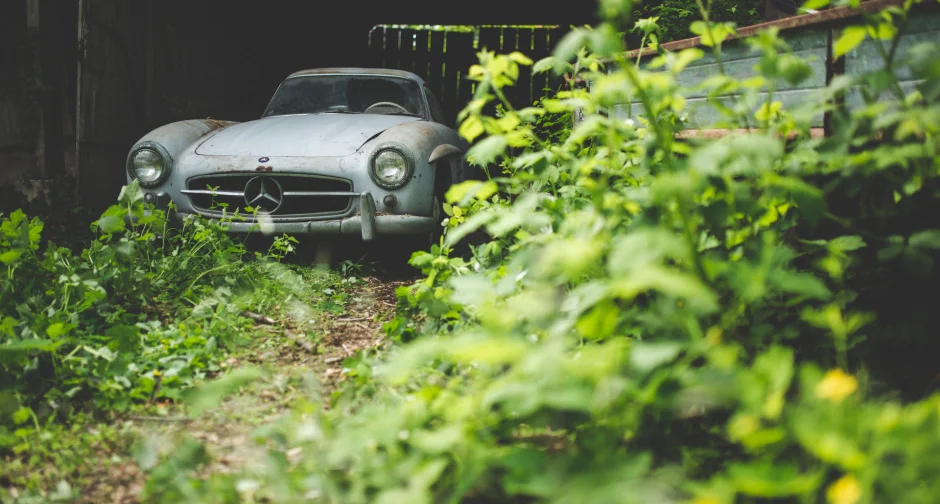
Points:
x=300, y=135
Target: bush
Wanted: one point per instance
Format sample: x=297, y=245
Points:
x=655, y=318
x=140, y=314
x=675, y=17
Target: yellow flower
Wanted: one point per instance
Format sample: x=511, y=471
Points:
x=156, y=372
x=844, y=491
x=705, y=500
x=836, y=386
x=713, y=335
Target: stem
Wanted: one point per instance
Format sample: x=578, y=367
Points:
x=770, y=94
x=708, y=29
x=689, y=233
x=204, y=273
x=640, y=52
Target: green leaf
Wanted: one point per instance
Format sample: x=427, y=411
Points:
x=212, y=393
x=487, y=150
x=569, y=45
x=667, y=281
x=440, y=440
x=794, y=69
x=772, y=481
x=647, y=25
x=473, y=223
x=11, y=255
x=846, y=243
x=472, y=349
x=809, y=199
x=815, y=4
x=803, y=284
x=774, y=367
x=520, y=58
x=645, y=247
x=56, y=330
x=851, y=37
x=550, y=63
x=464, y=191
x=110, y=224
x=600, y=322
x=648, y=356
x=926, y=239
x=146, y=453
x=28, y=344
x=471, y=128
x=712, y=34
x=22, y=415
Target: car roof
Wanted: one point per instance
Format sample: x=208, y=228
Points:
x=391, y=72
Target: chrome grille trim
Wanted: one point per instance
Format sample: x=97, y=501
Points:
x=300, y=198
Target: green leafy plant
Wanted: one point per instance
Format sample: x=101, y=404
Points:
x=143, y=312
x=654, y=318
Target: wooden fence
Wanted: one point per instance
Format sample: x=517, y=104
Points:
x=442, y=55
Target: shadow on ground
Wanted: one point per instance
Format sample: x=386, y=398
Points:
x=385, y=258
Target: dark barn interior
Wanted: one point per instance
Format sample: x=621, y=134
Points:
x=86, y=78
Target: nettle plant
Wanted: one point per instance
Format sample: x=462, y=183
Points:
x=653, y=318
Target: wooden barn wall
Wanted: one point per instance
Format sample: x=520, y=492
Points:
x=81, y=81
x=16, y=150
x=37, y=83
x=142, y=65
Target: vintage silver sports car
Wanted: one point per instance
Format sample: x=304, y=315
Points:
x=342, y=151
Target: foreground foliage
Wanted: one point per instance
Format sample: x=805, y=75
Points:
x=131, y=321
x=654, y=319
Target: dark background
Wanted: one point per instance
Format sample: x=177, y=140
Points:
x=268, y=40
x=82, y=80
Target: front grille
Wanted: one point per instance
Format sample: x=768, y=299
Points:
x=298, y=195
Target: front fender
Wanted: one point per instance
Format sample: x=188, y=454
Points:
x=177, y=136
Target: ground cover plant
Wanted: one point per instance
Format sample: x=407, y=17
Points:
x=654, y=318
x=123, y=325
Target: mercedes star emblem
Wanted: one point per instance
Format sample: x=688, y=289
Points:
x=264, y=193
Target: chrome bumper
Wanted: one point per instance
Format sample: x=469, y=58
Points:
x=367, y=224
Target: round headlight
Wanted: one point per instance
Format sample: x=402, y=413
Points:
x=149, y=164
x=390, y=169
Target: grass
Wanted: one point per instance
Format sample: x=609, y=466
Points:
x=320, y=318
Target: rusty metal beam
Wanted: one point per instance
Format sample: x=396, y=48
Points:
x=720, y=132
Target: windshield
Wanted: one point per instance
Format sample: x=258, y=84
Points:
x=371, y=94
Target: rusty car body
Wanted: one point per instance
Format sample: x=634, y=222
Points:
x=341, y=151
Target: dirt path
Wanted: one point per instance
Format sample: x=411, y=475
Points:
x=299, y=363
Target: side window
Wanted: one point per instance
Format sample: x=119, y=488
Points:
x=437, y=113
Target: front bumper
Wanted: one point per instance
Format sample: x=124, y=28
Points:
x=367, y=224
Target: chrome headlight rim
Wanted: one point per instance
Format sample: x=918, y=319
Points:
x=154, y=147
x=404, y=152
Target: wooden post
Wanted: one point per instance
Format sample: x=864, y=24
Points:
x=48, y=66
x=149, y=70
